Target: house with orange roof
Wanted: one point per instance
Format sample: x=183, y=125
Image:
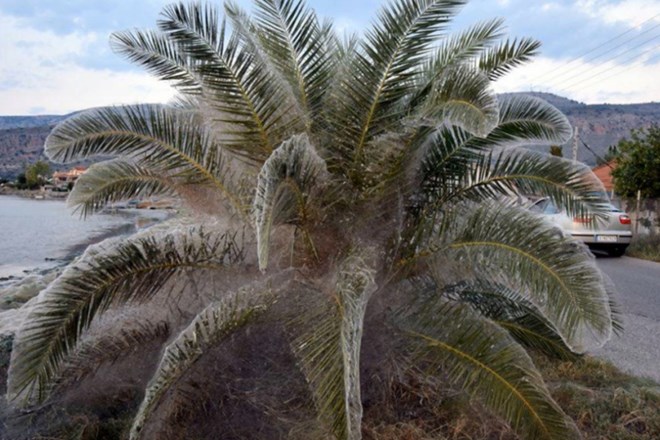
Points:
x=63, y=178
x=604, y=174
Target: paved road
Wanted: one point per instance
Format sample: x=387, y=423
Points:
x=638, y=349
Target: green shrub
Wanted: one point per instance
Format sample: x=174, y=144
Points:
x=646, y=247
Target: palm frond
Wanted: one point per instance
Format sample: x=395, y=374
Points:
x=443, y=155
x=482, y=359
x=381, y=71
x=114, y=181
x=174, y=140
x=293, y=38
x=569, y=185
x=283, y=188
x=109, y=348
x=133, y=269
x=560, y=279
x=209, y=328
x=159, y=56
x=246, y=93
x=454, y=50
x=523, y=120
x=466, y=44
x=527, y=120
x=499, y=60
x=461, y=96
x=513, y=312
x=329, y=351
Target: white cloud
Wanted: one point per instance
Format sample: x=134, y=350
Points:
x=631, y=12
x=592, y=83
x=39, y=74
x=550, y=6
x=77, y=88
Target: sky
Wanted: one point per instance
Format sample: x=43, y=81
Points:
x=55, y=57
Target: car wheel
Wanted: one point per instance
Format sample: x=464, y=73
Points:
x=617, y=251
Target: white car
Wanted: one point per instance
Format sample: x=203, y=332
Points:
x=612, y=234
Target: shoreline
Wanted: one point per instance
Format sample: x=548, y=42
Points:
x=128, y=221
x=33, y=194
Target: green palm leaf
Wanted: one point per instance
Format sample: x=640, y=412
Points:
x=499, y=60
x=283, y=189
x=159, y=56
x=513, y=312
x=454, y=50
x=523, y=120
x=292, y=38
x=382, y=69
x=466, y=45
x=562, y=281
x=109, y=348
x=329, y=350
x=461, y=96
x=170, y=139
x=526, y=120
x=209, y=328
x=482, y=359
x=569, y=185
x=132, y=269
x=248, y=96
x=116, y=180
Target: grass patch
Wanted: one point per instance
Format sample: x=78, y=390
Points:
x=604, y=402
x=646, y=247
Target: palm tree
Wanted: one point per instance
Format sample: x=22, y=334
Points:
x=333, y=187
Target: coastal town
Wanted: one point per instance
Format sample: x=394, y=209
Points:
x=59, y=184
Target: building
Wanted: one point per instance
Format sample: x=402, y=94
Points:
x=604, y=174
x=62, y=179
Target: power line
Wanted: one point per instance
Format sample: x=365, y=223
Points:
x=606, y=53
x=606, y=60
x=596, y=155
x=637, y=55
x=627, y=68
x=579, y=57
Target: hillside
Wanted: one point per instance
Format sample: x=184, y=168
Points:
x=29, y=121
x=601, y=125
x=20, y=146
x=22, y=142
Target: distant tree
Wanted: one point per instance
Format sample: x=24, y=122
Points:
x=612, y=154
x=21, y=181
x=638, y=164
x=556, y=150
x=36, y=173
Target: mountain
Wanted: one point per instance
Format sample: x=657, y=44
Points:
x=7, y=122
x=22, y=142
x=600, y=125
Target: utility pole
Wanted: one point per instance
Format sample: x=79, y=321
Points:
x=575, y=143
x=637, y=209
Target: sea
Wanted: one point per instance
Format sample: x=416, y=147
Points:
x=39, y=235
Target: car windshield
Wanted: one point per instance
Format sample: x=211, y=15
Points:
x=546, y=206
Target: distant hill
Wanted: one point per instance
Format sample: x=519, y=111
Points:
x=22, y=142
x=29, y=121
x=601, y=125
